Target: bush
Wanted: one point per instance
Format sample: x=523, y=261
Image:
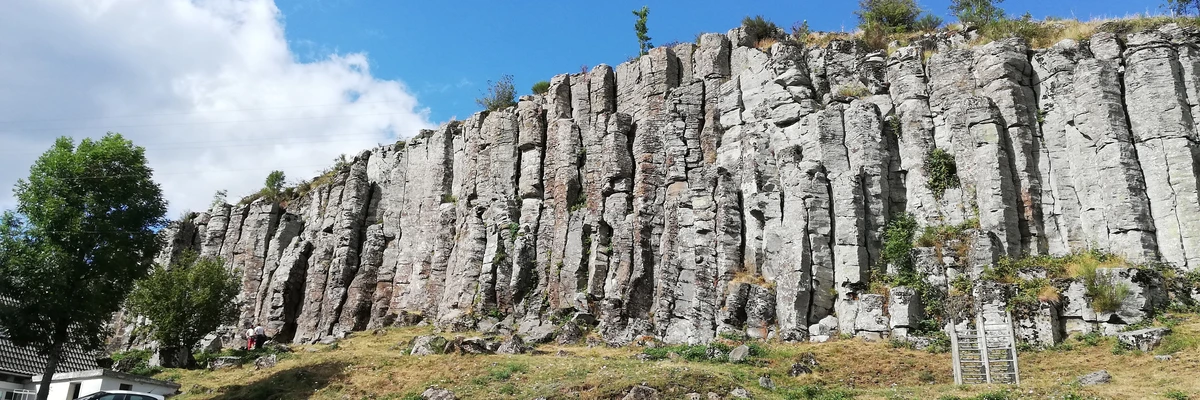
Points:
x=928, y=23
x=500, y=94
x=136, y=362
x=888, y=16
x=898, y=242
x=541, y=87
x=758, y=28
x=1106, y=292
x=1174, y=394
x=976, y=12
x=942, y=172
x=815, y=392
x=1037, y=34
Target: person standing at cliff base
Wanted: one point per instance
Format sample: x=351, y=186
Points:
x=260, y=336
x=249, y=338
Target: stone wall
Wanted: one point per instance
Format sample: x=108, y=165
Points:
x=717, y=187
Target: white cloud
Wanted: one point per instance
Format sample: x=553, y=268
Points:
x=209, y=87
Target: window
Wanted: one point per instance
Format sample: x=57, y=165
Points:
x=126, y=386
x=73, y=389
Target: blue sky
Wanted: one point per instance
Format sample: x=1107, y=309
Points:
x=446, y=51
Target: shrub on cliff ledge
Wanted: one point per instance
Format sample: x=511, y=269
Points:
x=500, y=94
x=894, y=16
x=898, y=242
x=541, y=87
x=758, y=28
x=942, y=171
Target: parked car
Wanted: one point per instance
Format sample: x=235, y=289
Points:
x=121, y=395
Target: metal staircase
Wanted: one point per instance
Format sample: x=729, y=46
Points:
x=985, y=353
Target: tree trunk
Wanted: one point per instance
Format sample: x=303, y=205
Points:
x=48, y=374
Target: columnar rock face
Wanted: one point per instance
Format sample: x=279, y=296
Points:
x=715, y=187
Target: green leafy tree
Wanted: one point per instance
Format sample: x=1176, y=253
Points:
x=186, y=301
x=1183, y=7
x=83, y=231
x=273, y=187
x=639, y=27
x=500, y=94
x=976, y=12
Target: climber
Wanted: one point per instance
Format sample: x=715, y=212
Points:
x=249, y=338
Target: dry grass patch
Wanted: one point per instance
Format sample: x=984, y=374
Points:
x=378, y=367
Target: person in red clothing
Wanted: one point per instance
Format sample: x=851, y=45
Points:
x=250, y=338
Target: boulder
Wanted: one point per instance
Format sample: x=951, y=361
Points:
x=641, y=392
x=823, y=330
x=739, y=354
x=472, y=345
x=267, y=361
x=740, y=393
x=766, y=383
x=569, y=333
x=434, y=393
x=540, y=334
x=904, y=307
x=798, y=369
x=1143, y=339
x=512, y=345
x=224, y=362
x=1095, y=378
x=870, y=314
x=428, y=345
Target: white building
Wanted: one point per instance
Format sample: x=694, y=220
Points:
x=78, y=375
x=70, y=385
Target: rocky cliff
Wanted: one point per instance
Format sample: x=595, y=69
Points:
x=718, y=187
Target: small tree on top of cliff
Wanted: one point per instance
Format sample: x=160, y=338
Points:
x=273, y=187
x=639, y=27
x=499, y=94
x=976, y=12
x=186, y=301
x=895, y=16
x=85, y=228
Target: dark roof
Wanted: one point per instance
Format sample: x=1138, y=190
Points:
x=26, y=361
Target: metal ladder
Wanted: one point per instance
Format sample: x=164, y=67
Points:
x=985, y=353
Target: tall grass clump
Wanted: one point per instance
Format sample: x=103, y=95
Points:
x=1106, y=292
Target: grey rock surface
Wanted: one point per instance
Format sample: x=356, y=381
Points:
x=717, y=188
x=1095, y=378
x=641, y=392
x=1143, y=339
x=739, y=354
x=428, y=345
x=434, y=393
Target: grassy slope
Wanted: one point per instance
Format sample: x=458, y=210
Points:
x=373, y=367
